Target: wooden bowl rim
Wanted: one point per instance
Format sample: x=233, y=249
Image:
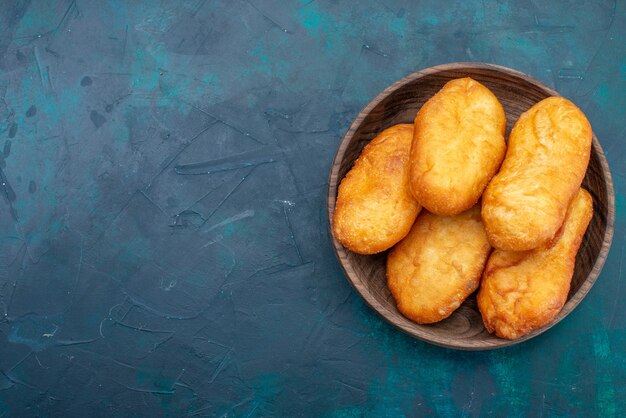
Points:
x=341, y=251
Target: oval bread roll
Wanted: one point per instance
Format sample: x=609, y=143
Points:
x=458, y=146
x=547, y=157
x=374, y=207
x=438, y=265
x=522, y=291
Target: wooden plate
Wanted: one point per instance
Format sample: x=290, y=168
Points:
x=398, y=104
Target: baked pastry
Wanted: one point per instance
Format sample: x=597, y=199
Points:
x=374, y=208
x=458, y=145
x=545, y=163
x=522, y=291
x=438, y=265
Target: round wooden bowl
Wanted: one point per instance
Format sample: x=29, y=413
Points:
x=398, y=104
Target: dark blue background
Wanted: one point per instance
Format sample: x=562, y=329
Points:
x=133, y=282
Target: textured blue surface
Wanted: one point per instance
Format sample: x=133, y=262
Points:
x=163, y=241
